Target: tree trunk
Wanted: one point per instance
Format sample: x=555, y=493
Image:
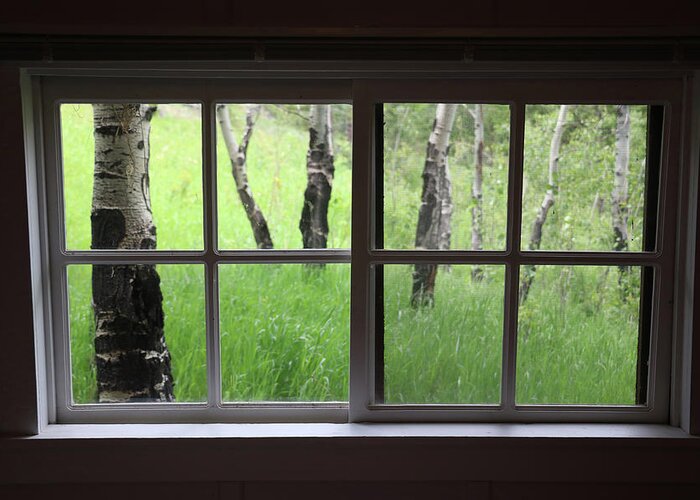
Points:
x=433, y=230
x=319, y=175
x=620, y=183
x=132, y=359
x=547, y=202
x=477, y=192
x=620, y=196
x=238, y=155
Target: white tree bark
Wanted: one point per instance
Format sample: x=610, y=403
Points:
x=620, y=190
x=434, y=228
x=238, y=155
x=121, y=205
x=547, y=201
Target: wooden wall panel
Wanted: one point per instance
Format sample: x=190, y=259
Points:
x=598, y=491
x=112, y=491
x=445, y=490
x=368, y=490
x=361, y=17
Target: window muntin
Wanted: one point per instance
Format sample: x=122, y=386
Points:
x=364, y=405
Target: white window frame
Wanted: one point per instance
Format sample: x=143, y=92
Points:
x=363, y=89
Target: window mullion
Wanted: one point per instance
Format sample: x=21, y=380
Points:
x=515, y=190
x=211, y=270
x=361, y=355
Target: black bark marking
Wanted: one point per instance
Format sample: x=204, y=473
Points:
x=620, y=243
x=147, y=244
x=261, y=232
x=108, y=175
x=109, y=130
x=528, y=277
x=131, y=357
x=140, y=145
x=314, y=215
x=108, y=228
x=146, y=191
x=423, y=293
x=109, y=165
x=313, y=137
x=316, y=155
x=149, y=112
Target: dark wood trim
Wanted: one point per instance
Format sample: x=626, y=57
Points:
x=327, y=48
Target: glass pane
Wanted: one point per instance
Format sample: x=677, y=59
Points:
x=285, y=331
x=454, y=194
x=126, y=359
x=584, y=177
x=578, y=331
x=284, y=175
x=129, y=169
x=444, y=346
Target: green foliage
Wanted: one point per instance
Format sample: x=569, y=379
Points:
x=406, y=131
x=586, y=171
x=277, y=173
x=285, y=328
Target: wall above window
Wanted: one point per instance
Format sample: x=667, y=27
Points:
x=362, y=18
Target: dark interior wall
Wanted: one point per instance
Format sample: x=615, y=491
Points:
x=369, y=17
x=526, y=19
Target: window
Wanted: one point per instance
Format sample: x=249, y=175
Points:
x=536, y=285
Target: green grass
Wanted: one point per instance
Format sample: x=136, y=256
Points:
x=578, y=338
x=285, y=332
x=450, y=353
x=285, y=328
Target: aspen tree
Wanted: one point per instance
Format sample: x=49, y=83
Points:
x=319, y=178
x=477, y=189
x=238, y=154
x=132, y=358
x=434, y=228
x=547, y=201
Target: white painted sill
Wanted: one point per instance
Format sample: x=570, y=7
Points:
x=360, y=430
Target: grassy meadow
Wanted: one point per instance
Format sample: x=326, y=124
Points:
x=284, y=328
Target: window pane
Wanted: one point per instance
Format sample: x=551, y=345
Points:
x=584, y=177
x=285, y=331
x=125, y=359
x=446, y=348
x=455, y=195
x=129, y=169
x=284, y=175
x=578, y=332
